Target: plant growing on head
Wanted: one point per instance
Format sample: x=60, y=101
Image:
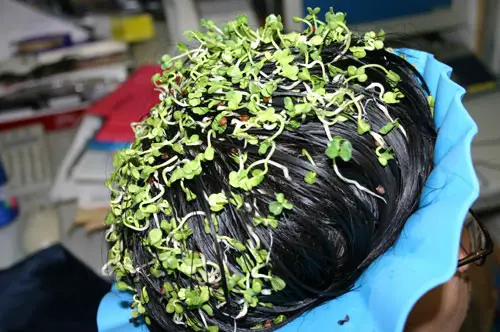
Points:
x=246, y=86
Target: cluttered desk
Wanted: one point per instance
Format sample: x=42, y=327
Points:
x=486, y=148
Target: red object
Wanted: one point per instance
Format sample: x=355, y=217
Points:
x=129, y=103
x=13, y=202
x=50, y=121
x=223, y=121
x=380, y=190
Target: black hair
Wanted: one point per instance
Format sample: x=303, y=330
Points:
x=335, y=230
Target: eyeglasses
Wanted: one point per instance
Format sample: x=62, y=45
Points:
x=476, y=241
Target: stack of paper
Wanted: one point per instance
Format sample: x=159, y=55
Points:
x=104, y=129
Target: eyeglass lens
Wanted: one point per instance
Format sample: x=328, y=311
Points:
x=474, y=238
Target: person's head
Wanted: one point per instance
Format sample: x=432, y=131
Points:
x=275, y=170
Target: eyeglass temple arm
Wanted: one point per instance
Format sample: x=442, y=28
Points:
x=483, y=252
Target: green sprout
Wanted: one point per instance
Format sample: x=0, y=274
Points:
x=209, y=153
x=363, y=126
x=392, y=97
x=393, y=77
x=240, y=179
x=277, y=284
x=236, y=200
x=155, y=237
x=217, y=201
x=190, y=196
x=358, y=52
x=310, y=177
x=388, y=127
x=339, y=147
x=266, y=221
x=432, y=103
x=279, y=205
x=385, y=156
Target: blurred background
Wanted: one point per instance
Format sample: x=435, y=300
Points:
x=75, y=73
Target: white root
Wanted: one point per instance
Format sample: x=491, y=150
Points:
x=356, y=184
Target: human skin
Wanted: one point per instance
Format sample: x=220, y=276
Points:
x=444, y=308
